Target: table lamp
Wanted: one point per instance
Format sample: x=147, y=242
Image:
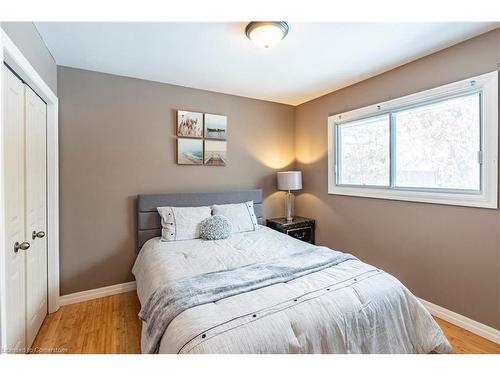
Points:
x=289, y=181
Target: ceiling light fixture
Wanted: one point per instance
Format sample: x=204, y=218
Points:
x=266, y=34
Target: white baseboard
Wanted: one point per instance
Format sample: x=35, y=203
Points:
x=87, y=295
x=479, y=329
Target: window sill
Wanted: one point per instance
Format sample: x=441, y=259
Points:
x=480, y=200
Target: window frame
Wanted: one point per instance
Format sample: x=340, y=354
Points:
x=486, y=197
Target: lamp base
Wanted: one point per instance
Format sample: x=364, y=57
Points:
x=289, y=202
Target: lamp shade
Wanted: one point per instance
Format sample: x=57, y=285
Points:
x=290, y=180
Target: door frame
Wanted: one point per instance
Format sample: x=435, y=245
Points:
x=18, y=62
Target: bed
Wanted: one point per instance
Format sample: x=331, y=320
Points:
x=344, y=307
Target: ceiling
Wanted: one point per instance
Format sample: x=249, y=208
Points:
x=314, y=59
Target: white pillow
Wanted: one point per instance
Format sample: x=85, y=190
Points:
x=241, y=215
x=182, y=223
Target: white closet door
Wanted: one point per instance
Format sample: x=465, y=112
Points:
x=14, y=211
x=36, y=203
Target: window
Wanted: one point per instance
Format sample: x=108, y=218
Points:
x=364, y=155
x=436, y=146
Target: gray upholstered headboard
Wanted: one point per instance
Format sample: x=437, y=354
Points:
x=148, y=219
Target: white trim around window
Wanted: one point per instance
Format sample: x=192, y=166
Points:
x=487, y=197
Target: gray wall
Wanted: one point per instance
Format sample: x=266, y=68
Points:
x=26, y=37
x=117, y=140
x=446, y=255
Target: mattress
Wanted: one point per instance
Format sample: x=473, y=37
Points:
x=364, y=310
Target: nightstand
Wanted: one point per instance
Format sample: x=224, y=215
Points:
x=301, y=228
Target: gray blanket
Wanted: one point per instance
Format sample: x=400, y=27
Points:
x=169, y=301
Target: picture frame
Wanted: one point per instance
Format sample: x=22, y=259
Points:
x=215, y=153
x=215, y=126
x=189, y=124
x=189, y=151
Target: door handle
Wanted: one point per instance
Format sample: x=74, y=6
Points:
x=21, y=246
x=36, y=234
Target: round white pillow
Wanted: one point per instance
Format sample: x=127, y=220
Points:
x=216, y=227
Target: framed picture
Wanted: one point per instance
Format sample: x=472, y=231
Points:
x=215, y=126
x=215, y=153
x=189, y=151
x=189, y=124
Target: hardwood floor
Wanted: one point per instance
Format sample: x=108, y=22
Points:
x=104, y=325
x=111, y=325
x=465, y=342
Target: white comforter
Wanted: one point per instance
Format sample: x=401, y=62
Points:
x=349, y=308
